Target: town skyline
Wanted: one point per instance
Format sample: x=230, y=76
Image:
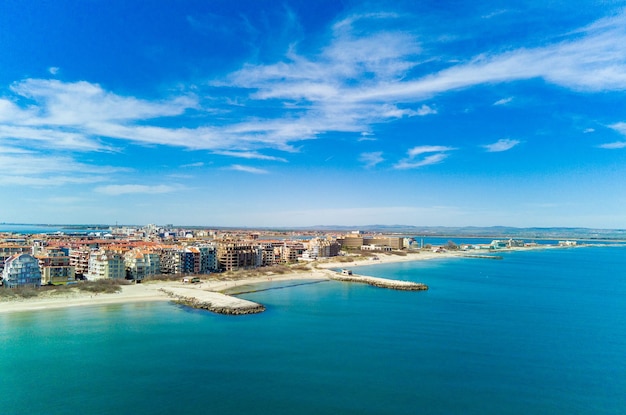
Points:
x=254, y=115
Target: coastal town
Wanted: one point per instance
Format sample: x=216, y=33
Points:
x=137, y=253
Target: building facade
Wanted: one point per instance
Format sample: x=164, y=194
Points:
x=21, y=270
x=106, y=264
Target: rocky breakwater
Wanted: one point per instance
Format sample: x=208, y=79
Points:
x=381, y=282
x=212, y=301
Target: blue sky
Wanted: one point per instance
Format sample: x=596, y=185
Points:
x=299, y=113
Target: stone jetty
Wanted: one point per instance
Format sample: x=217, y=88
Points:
x=380, y=282
x=213, y=301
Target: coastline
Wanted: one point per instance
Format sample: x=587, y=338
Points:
x=154, y=291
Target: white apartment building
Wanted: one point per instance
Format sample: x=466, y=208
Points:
x=140, y=264
x=106, y=264
x=21, y=270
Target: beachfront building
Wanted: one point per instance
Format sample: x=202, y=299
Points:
x=321, y=248
x=191, y=260
x=170, y=260
x=9, y=249
x=351, y=241
x=208, y=258
x=55, y=266
x=378, y=248
x=106, y=264
x=238, y=255
x=21, y=270
x=79, y=259
x=394, y=242
x=268, y=257
x=140, y=264
x=288, y=252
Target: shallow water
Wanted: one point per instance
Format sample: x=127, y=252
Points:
x=541, y=332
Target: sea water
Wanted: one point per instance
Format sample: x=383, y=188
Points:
x=538, y=332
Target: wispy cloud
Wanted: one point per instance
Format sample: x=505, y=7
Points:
x=367, y=136
x=613, y=146
x=351, y=84
x=619, y=127
x=425, y=110
x=503, y=101
x=413, y=160
x=190, y=165
x=53, y=70
x=122, y=189
x=416, y=151
x=503, y=144
x=249, y=155
x=247, y=169
x=371, y=159
x=589, y=130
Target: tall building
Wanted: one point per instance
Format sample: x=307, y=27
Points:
x=106, y=264
x=55, y=266
x=237, y=255
x=21, y=270
x=140, y=264
x=208, y=254
x=79, y=259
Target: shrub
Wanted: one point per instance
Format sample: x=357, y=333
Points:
x=103, y=286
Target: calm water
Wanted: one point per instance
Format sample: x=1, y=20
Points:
x=535, y=333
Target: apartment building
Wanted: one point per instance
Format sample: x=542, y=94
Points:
x=55, y=266
x=321, y=248
x=8, y=250
x=238, y=255
x=21, y=270
x=170, y=260
x=79, y=259
x=208, y=258
x=106, y=264
x=140, y=264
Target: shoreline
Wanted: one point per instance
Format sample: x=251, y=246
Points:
x=154, y=291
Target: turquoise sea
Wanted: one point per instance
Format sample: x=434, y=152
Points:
x=538, y=332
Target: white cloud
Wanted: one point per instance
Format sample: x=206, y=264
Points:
x=198, y=164
x=503, y=101
x=122, y=189
x=613, y=146
x=28, y=168
x=426, y=110
x=503, y=144
x=441, y=153
x=371, y=159
x=428, y=160
x=352, y=83
x=619, y=127
x=247, y=169
x=249, y=155
x=416, y=151
x=589, y=130
x=367, y=136
x=53, y=70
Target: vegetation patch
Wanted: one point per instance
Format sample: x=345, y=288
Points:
x=107, y=286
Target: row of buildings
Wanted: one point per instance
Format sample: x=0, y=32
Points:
x=64, y=259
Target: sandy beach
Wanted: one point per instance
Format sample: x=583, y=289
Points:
x=154, y=290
